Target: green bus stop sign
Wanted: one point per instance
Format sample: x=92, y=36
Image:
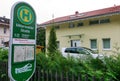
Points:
x=22, y=59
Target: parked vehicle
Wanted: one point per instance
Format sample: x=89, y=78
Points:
x=80, y=52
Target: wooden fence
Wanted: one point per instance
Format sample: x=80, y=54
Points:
x=48, y=75
x=4, y=71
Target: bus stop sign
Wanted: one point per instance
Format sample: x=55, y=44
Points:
x=22, y=59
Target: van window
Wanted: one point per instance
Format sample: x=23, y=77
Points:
x=71, y=50
x=82, y=51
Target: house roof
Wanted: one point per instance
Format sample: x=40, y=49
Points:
x=77, y=15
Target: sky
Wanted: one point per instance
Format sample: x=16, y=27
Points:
x=45, y=9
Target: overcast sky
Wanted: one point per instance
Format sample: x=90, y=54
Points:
x=46, y=8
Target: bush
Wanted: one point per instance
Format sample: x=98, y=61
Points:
x=113, y=67
x=3, y=54
x=42, y=60
x=109, y=68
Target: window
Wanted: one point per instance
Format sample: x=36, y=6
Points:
x=104, y=21
x=94, y=22
x=2, y=41
x=106, y=43
x=57, y=27
x=5, y=30
x=82, y=51
x=58, y=44
x=71, y=25
x=80, y=24
x=93, y=44
x=99, y=21
x=70, y=50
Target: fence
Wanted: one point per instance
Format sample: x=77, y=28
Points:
x=48, y=75
x=4, y=71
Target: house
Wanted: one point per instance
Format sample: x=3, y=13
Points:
x=97, y=29
x=4, y=31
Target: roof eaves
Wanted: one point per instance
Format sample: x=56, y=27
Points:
x=4, y=24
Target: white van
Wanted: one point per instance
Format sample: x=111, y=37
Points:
x=79, y=52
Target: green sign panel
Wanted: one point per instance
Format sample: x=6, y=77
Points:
x=22, y=61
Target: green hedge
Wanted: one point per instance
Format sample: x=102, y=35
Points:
x=107, y=67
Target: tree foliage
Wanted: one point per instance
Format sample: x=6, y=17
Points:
x=52, y=44
x=41, y=37
x=3, y=54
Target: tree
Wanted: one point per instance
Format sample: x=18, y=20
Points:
x=41, y=37
x=52, y=44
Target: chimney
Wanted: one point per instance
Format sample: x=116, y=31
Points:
x=114, y=5
x=3, y=16
x=76, y=13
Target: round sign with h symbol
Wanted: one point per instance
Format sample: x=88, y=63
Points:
x=25, y=15
x=22, y=56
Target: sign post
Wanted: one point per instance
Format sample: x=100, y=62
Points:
x=22, y=59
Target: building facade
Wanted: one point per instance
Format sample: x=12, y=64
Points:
x=4, y=31
x=98, y=30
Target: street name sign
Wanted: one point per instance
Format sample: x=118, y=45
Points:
x=22, y=59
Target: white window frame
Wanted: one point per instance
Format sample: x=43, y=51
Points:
x=103, y=44
x=96, y=44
